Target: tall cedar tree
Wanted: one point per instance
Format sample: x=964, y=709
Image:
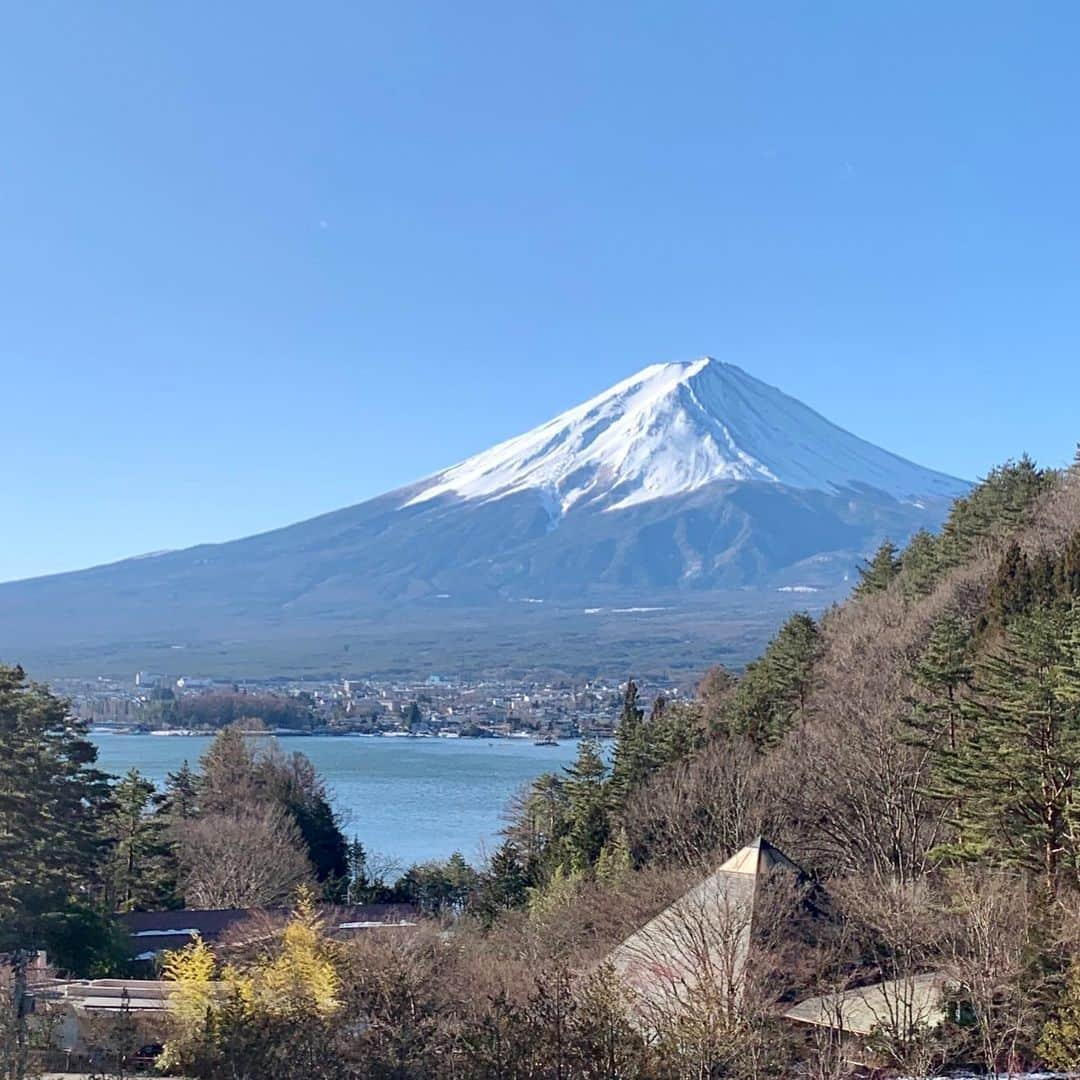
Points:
x=504, y=885
x=773, y=692
x=179, y=802
x=52, y=799
x=880, y=572
x=587, y=806
x=1013, y=779
x=941, y=674
x=141, y=872
x=632, y=759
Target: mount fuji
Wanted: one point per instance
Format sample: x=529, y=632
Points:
x=688, y=488
x=674, y=428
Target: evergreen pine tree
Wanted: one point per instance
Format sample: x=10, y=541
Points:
x=505, y=885
x=358, y=886
x=919, y=567
x=587, y=806
x=715, y=693
x=440, y=887
x=1012, y=592
x=52, y=800
x=753, y=704
x=941, y=672
x=879, y=573
x=1044, y=578
x=462, y=879
x=995, y=508
x=1068, y=669
x=633, y=757
x=793, y=652
x=229, y=777
x=676, y=733
x=140, y=872
x=1068, y=579
x=292, y=781
x=178, y=803
x=1013, y=778
x=540, y=825
x=614, y=862
x=773, y=691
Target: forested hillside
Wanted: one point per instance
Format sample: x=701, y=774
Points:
x=872, y=742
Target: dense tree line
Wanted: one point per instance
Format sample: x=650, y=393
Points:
x=220, y=708
x=921, y=741
x=245, y=829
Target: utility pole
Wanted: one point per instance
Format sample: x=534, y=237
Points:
x=21, y=1004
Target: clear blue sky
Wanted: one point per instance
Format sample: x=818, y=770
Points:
x=262, y=260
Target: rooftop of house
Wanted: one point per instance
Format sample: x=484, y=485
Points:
x=706, y=930
x=111, y=995
x=150, y=932
x=888, y=1005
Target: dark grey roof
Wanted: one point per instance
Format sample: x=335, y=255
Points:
x=152, y=931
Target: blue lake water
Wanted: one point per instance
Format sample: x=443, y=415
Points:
x=413, y=799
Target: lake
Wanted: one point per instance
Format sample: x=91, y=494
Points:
x=412, y=799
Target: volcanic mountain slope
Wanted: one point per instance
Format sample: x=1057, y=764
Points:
x=685, y=479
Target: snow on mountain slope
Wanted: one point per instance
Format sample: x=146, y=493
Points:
x=673, y=428
x=669, y=501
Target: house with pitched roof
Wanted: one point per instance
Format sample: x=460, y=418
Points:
x=702, y=959
x=700, y=951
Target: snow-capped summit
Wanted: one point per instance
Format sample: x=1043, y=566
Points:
x=672, y=429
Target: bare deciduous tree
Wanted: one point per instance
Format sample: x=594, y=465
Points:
x=896, y=929
x=717, y=801
x=253, y=857
x=994, y=920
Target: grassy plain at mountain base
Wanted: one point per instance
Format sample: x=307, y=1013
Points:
x=679, y=638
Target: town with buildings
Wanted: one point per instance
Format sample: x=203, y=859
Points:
x=151, y=702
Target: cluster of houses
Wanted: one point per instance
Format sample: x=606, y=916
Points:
x=74, y=1013
x=705, y=955
x=433, y=706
